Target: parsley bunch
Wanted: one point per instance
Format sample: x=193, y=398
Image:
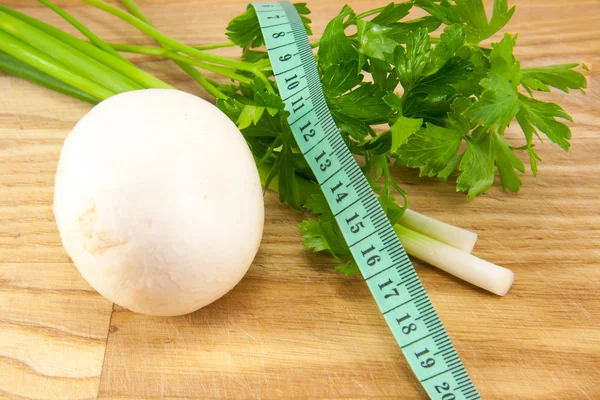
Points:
x=445, y=102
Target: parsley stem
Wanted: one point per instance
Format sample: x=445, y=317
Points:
x=181, y=61
x=132, y=48
x=188, y=69
x=166, y=40
x=202, y=47
x=306, y=188
x=167, y=53
x=135, y=10
x=264, y=65
x=202, y=80
x=389, y=181
x=276, y=143
x=370, y=12
x=83, y=29
x=224, y=71
x=214, y=46
x=263, y=78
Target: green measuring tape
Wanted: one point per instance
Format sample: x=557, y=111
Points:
x=379, y=254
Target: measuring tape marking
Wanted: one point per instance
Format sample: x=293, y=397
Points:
x=388, y=272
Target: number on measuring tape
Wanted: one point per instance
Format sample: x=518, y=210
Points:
x=373, y=243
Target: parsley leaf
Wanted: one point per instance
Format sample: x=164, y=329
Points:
x=432, y=95
x=354, y=106
x=499, y=103
x=400, y=31
x=445, y=80
x=529, y=131
x=250, y=115
x=303, y=10
x=402, y=130
x=340, y=79
x=244, y=30
x=317, y=204
x=350, y=126
x=392, y=13
x=506, y=161
x=230, y=107
x=253, y=56
x=500, y=17
x=313, y=235
x=503, y=61
x=561, y=77
x=443, y=11
x=288, y=184
x=364, y=103
x=335, y=47
x=543, y=116
x=271, y=101
x=477, y=170
x=411, y=61
x=373, y=42
x=350, y=268
x=323, y=234
x=393, y=100
x=451, y=40
x=485, y=150
x=473, y=14
x=431, y=149
x=266, y=126
x=391, y=208
x=383, y=75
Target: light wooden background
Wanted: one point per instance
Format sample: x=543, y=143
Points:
x=293, y=328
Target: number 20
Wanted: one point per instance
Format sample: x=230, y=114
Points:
x=445, y=386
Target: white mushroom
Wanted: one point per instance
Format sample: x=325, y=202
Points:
x=158, y=201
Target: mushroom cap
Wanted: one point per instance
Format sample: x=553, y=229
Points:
x=158, y=201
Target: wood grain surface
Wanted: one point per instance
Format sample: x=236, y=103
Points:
x=294, y=328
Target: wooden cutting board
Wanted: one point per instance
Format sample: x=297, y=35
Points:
x=294, y=328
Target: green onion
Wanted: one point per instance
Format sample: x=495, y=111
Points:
x=127, y=69
x=454, y=236
x=18, y=68
x=486, y=275
x=67, y=55
x=50, y=66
